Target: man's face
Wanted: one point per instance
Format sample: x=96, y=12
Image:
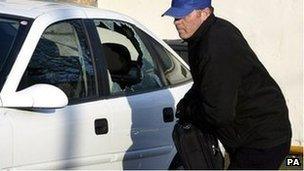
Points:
x=188, y=25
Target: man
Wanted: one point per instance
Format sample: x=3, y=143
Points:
x=233, y=95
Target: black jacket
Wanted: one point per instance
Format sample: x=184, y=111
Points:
x=233, y=94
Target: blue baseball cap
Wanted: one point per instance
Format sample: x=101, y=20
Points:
x=181, y=8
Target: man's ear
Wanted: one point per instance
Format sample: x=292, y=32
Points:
x=205, y=13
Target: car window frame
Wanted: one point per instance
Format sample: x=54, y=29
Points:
x=154, y=55
x=99, y=58
x=108, y=94
x=150, y=45
x=12, y=56
x=90, y=48
x=89, y=44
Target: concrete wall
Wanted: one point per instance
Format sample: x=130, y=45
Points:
x=273, y=28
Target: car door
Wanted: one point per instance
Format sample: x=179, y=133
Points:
x=76, y=136
x=175, y=72
x=142, y=108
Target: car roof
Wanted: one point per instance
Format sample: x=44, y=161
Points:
x=33, y=8
x=29, y=8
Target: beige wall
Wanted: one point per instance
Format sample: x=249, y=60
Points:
x=273, y=28
x=84, y=2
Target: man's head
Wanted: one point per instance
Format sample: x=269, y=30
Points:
x=189, y=15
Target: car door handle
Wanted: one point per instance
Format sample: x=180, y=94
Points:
x=168, y=114
x=101, y=126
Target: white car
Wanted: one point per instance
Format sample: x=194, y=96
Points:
x=84, y=88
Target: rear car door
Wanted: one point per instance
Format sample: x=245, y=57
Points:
x=141, y=106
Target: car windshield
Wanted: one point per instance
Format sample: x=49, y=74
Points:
x=8, y=33
x=12, y=34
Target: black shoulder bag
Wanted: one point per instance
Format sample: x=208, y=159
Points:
x=197, y=149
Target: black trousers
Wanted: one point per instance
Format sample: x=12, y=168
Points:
x=250, y=158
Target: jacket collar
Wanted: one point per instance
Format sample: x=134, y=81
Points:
x=201, y=31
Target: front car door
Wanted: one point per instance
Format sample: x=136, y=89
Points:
x=76, y=136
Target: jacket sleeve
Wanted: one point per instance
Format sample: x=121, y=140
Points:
x=219, y=87
x=192, y=92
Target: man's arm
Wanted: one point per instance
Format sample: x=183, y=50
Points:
x=219, y=86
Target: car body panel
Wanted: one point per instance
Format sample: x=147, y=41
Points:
x=6, y=137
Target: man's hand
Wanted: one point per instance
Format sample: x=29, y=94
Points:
x=183, y=110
